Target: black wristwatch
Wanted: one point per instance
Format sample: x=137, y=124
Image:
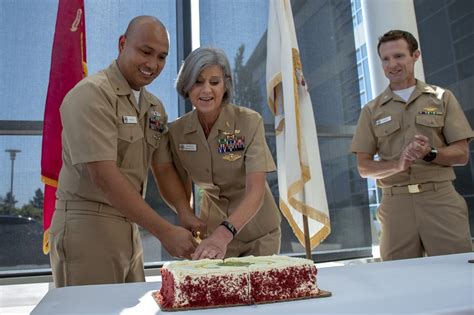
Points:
x=430, y=156
x=229, y=226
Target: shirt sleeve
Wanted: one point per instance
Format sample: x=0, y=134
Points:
x=89, y=125
x=456, y=125
x=163, y=153
x=182, y=173
x=258, y=157
x=364, y=139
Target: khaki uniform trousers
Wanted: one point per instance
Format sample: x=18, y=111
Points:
x=92, y=243
x=434, y=221
x=266, y=245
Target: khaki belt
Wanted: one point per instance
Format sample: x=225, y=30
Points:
x=415, y=188
x=92, y=206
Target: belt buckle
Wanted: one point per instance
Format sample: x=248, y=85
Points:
x=415, y=188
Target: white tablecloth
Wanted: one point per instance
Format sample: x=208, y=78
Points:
x=443, y=285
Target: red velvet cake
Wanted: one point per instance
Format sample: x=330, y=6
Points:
x=235, y=281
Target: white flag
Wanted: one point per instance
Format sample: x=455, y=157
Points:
x=300, y=176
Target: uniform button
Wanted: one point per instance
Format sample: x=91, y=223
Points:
x=131, y=137
x=207, y=170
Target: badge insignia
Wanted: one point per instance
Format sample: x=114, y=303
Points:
x=383, y=120
x=430, y=111
x=230, y=142
x=156, y=121
x=187, y=147
x=129, y=119
x=232, y=157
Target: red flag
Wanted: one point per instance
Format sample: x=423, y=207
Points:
x=68, y=66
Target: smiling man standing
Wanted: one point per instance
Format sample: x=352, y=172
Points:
x=419, y=132
x=113, y=131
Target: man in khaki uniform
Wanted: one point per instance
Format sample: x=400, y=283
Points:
x=113, y=131
x=419, y=132
x=222, y=149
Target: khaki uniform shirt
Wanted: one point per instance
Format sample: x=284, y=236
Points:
x=387, y=124
x=221, y=172
x=101, y=123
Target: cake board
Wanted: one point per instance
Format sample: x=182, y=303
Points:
x=157, y=297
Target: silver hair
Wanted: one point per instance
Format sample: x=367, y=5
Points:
x=196, y=62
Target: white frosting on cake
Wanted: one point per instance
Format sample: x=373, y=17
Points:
x=231, y=266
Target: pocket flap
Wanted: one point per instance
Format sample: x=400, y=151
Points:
x=430, y=120
x=386, y=129
x=130, y=133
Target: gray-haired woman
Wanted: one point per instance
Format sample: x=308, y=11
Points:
x=221, y=147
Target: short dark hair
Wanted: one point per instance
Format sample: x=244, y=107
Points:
x=396, y=35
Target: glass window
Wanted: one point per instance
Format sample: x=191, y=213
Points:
x=363, y=98
x=450, y=22
x=368, y=87
x=356, y=12
x=25, y=57
x=359, y=17
x=334, y=92
x=361, y=84
x=357, y=4
x=21, y=204
x=363, y=50
x=358, y=54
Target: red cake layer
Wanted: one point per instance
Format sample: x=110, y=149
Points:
x=239, y=288
x=204, y=291
x=283, y=284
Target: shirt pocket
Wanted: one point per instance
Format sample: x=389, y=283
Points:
x=431, y=126
x=389, y=139
x=385, y=130
x=430, y=121
x=130, y=134
x=129, y=145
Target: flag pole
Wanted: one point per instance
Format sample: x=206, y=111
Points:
x=307, y=244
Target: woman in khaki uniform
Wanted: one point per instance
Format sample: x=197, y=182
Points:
x=221, y=147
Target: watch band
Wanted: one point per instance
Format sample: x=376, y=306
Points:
x=230, y=227
x=430, y=156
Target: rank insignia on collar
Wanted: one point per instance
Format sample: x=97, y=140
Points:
x=231, y=142
x=232, y=157
x=156, y=121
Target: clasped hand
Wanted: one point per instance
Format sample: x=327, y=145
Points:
x=415, y=150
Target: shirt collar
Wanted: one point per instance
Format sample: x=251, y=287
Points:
x=121, y=87
x=225, y=122
x=420, y=88
x=117, y=80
